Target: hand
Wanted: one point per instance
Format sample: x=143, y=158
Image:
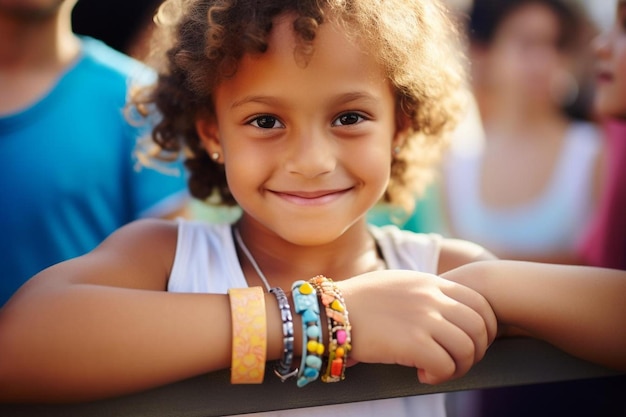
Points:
x=420, y=320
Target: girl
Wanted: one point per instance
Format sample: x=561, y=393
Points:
x=305, y=114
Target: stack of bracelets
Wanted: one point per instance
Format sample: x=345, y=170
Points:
x=250, y=333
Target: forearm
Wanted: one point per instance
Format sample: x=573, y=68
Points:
x=578, y=309
x=121, y=340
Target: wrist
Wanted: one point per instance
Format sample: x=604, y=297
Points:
x=274, y=328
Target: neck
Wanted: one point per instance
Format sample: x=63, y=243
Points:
x=520, y=119
x=282, y=262
x=39, y=41
x=34, y=52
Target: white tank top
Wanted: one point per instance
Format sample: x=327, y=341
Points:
x=206, y=262
x=553, y=222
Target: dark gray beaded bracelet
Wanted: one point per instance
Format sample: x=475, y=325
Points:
x=283, y=367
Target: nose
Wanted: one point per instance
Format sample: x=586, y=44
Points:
x=311, y=153
x=601, y=45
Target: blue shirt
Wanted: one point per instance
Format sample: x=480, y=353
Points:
x=68, y=175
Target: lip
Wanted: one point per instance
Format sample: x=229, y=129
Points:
x=311, y=198
x=604, y=77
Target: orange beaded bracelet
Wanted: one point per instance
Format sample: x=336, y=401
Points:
x=249, y=325
x=339, y=343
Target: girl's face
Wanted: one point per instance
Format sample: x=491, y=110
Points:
x=610, y=51
x=306, y=148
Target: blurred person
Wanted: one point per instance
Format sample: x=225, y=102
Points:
x=531, y=187
x=529, y=191
x=605, y=245
x=121, y=24
x=69, y=177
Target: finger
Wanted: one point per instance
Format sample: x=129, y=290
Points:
x=434, y=363
x=476, y=302
x=459, y=346
x=472, y=324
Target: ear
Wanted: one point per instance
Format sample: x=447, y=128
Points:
x=478, y=54
x=207, y=130
x=403, y=127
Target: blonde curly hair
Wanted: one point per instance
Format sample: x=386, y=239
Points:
x=199, y=42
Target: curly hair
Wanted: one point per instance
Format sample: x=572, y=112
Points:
x=198, y=43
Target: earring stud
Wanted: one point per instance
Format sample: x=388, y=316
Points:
x=215, y=156
x=396, y=150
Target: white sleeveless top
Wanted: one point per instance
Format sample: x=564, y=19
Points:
x=206, y=262
x=553, y=222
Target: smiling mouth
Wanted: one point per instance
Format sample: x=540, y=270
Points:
x=311, y=198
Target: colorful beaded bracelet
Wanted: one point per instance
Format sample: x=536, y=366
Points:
x=249, y=325
x=306, y=305
x=283, y=368
x=339, y=343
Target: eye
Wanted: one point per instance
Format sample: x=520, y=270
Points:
x=266, y=122
x=347, y=119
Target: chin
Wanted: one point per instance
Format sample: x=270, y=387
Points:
x=607, y=111
x=311, y=234
x=310, y=239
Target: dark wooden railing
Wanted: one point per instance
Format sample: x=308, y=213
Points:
x=508, y=362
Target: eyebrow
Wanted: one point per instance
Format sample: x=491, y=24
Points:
x=355, y=96
x=254, y=99
x=340, y=99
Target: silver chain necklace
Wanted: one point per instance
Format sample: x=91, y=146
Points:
x=246, y=252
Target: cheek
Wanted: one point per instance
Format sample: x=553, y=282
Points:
x=244, y=171
x=610, y=99
x=371, y=163
x=621, y=72
x=615, y=95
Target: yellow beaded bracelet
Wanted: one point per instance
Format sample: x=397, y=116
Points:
x=249, y=325
x=339, y=335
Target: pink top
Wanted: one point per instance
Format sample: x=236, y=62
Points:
x=605, y=244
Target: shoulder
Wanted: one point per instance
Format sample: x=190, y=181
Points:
x=585, y=135
x=426, y=252
x=103, y=59
x=137, y=255
x=405, y=249
x=585, y=128
x=400, y=239
x=143, y=235
x=161, y=236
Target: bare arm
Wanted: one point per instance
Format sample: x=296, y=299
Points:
x=578, y=309
x=103, y=325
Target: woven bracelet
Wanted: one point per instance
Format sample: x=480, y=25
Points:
x=339, y=343
x=283, y=368
x=306, y=305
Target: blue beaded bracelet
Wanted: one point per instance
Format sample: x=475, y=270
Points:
x=306, y=305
